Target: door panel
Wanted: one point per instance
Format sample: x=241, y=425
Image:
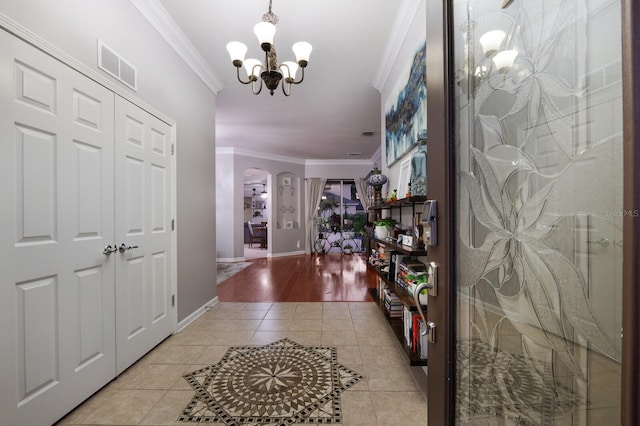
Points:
x=538, y=230
x=57, y=290
x=143, y=212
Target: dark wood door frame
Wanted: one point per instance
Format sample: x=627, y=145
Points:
x=441, y=389
x=441, y=386
x=631, y=224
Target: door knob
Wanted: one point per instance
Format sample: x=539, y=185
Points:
x=108, y=250
x=123, y=247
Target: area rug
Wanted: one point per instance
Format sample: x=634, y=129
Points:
x=227, y=270
x=281, y=383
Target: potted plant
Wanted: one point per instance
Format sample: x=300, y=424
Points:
x=383, y=226
x=322, y=225
x=347, y=249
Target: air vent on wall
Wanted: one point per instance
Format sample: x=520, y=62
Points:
x=115, y=65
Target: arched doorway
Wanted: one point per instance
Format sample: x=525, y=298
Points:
x=256, y=213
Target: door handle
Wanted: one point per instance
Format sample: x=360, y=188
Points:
x=123, y=247
x=416, y=298
x=108, y=250
x=432, y=289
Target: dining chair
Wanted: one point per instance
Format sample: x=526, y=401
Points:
x=254, y=237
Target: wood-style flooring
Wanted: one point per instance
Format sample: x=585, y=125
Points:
x=303, y=278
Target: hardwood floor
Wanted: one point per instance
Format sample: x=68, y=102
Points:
x=304, y=278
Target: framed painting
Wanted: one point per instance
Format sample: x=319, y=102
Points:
x=403, y=178
x=406, y=110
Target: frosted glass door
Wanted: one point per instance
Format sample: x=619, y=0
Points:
x=538, y=140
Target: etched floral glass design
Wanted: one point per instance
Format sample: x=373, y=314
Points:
x=538, y=139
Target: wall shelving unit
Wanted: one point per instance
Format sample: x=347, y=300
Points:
x=395, y=249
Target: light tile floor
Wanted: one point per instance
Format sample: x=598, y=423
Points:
x=153, y=392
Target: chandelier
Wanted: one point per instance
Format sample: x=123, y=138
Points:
x=270, y=72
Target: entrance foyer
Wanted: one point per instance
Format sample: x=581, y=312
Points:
x=153, y=390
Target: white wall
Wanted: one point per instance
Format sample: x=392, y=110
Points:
x=336, y=169
x=231, y=164
x=166, y=83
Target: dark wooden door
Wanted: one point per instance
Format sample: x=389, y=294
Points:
x=538, y=230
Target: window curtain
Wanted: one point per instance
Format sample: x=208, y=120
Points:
x=315, y=188
x=361, y=189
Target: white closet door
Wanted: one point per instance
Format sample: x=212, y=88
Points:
x=143, y=226
x=57, y=323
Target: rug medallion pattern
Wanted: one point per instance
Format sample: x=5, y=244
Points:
x=281, y=383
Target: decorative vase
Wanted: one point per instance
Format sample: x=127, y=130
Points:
x=376, y=180
x=419, y=170
x=381, y=232
x=419, y=231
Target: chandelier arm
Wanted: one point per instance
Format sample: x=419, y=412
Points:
x=301, y=78
x=239, y=79
x=286, y=83
x=253, y=87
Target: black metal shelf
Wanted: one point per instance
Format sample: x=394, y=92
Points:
x=408, y=250
x=397, y=324
x=402, y=202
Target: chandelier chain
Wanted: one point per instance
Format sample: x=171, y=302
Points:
x=269, y=16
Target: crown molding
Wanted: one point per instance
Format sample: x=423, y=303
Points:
x=399, y=31
x=160, y=19
x=338, y=163
x=256, y=154
x=227, y=150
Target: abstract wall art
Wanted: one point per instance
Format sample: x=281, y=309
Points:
x=406, y=110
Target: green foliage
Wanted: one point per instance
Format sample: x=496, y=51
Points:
x=386, y=221
x=359, y=220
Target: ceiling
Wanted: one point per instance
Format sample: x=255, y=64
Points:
x=325, y=116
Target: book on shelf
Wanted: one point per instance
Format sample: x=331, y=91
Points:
x=392, y=304
x=383, y=259
x=423, y=343
x=410, y=271
x=413, y=327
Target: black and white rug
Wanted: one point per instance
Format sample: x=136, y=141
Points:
x=281, y=383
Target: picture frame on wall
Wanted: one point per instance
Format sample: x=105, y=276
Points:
x=403, y=178
x=286, y=180
x=406, y=109
x=288, y=224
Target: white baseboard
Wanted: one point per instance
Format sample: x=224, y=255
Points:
x=194, y=316
x=230, y=259
x=291, y=253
